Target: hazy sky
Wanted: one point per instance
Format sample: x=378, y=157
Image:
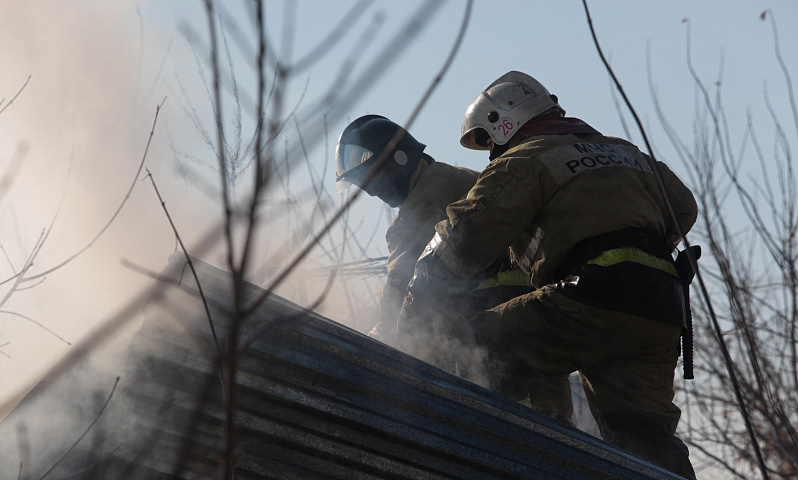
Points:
x=99, y=69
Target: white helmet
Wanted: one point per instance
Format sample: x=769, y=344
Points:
x=508, y=103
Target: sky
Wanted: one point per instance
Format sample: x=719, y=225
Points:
x=95, y=73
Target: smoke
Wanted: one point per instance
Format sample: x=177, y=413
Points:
x=98, y=70
x=86, y=123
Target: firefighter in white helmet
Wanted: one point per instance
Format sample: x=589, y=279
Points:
x=412, y=180
x=583, y=215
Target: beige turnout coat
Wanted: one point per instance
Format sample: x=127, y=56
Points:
x=438, y=185
x=543, y=196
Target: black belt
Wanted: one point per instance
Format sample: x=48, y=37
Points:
x=651, y=243
x=589, y=248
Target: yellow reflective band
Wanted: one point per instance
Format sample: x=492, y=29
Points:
x=513, y=277
x=618, y=255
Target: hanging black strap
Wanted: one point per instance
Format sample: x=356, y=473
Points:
x=686, y=273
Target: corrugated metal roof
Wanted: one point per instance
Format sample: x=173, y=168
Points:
x=317, y=400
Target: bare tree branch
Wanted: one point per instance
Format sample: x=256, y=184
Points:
x=15, y=96
x=13, y=168
x=188, y=261
x=116, y=213
x=38, y=325
x=99, y=414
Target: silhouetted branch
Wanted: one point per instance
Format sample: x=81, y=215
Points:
x=19, y=278
x=305, y=311
x=188, y=260
x=116, y=213
x=332, y=38
x=94, y=464
x=13, y=168
x=15, y=96
x=38, y=325
x=99, y=414
x=761, y=289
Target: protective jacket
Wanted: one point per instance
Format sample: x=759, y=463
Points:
x=550, y=193
x=438, y=185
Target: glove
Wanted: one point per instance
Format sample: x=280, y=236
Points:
x=432, y=278
x=428, y=321
x=426, y=329
x=384, y=332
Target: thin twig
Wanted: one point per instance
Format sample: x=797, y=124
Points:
x=13, y=168
x=119, y=209
x=10, y=263
x=25, y=267
x=188, y=260
x=783, y=66
x=335, y=35
x=21, y=289
x=11, y=278
x=15, y=96
x=94, y=464
x=38, y=325
x=285, y=319
x=196, y=279
x=116, y=382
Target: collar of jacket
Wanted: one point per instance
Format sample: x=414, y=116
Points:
x=554, y=124
x=417, y=174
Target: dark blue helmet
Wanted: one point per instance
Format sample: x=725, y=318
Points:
x=361, y=143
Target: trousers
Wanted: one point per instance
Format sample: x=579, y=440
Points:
x=530, y=345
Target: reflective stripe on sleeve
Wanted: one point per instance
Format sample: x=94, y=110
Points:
x=513, y=277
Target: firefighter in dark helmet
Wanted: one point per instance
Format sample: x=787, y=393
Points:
x=422, y=188
x=584, y=217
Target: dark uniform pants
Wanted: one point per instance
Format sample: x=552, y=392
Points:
x=626, y=364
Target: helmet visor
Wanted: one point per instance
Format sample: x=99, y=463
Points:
x=348, y=157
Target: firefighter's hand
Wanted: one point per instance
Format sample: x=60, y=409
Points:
x=427, y=329
x=411, y=324
x=432, y=278
x=428, y=305
x=384, y=332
